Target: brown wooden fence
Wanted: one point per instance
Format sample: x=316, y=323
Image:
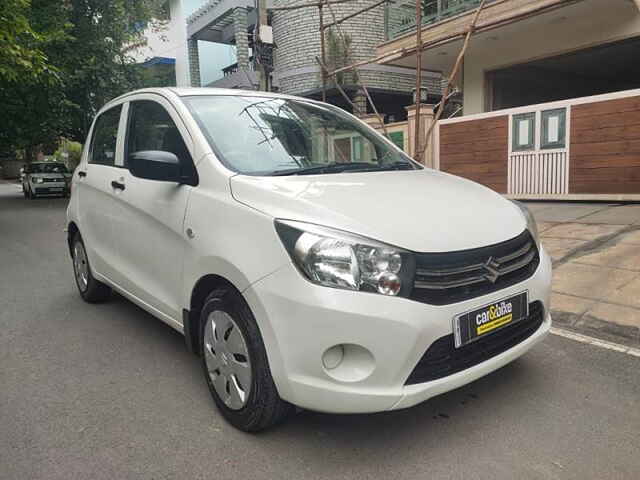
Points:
x=585, y=148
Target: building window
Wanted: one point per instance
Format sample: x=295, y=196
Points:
x=397, y=138
x=524, y=126
x=554, y=128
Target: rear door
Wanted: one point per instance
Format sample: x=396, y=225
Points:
x=150, y=220
x=98, y=199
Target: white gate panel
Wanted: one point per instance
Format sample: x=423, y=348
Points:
x=538, y=173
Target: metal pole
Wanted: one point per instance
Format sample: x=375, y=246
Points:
x=452, y=76
x=262, y=70
x=323, y=73
x=416, y=141
x=359, y=81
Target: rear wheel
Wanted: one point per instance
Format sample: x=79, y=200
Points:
x=91, y=290
x=235, y=364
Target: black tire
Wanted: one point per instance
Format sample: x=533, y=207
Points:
x=264, y=408
x=94, y=291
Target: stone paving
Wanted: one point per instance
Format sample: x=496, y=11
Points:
x=596, y=253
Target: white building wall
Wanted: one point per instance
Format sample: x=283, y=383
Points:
x=586, y=24
x=170, y=42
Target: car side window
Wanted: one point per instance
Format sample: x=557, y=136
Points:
x=105, y=135
x=151, y=128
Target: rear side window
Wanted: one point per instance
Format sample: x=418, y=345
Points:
x=105, y=135
x=151, y=128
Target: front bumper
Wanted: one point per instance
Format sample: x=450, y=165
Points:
x=385, y=339
x=50, y=189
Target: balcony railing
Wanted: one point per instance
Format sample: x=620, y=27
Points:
x=233, y=68
x=401, y=15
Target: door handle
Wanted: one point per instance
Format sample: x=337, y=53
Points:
x=82, y=174
x=117, y=185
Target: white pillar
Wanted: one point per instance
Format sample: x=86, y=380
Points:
x=182, y=59
x=426, y=119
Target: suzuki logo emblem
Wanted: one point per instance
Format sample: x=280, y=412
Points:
x=492, y=267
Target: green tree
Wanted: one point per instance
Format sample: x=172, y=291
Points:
x=338, y=54
x=31, y=84
x=61, y=61
x=98, y=63
x=21, y=46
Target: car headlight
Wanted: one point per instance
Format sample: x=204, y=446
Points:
x=38, y=180
x=338, y=259
x=532, y=225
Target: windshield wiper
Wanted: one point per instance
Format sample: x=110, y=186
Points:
x=329, y=168
x=396, y=166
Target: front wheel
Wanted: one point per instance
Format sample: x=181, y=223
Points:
x=235, y=364
x=91, y=290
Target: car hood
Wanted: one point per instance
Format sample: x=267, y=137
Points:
x=419, y=210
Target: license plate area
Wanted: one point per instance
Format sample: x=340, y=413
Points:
x=480, y=322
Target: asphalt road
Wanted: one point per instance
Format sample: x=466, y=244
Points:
x=107, y=391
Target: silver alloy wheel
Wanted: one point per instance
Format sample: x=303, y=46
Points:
x=81, y=266
x=227, y=359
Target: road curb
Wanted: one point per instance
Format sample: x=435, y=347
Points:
x=598, y=328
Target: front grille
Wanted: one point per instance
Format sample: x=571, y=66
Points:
x=444, y=278
x=53, y=180
x=442, y=358
x=47, y=191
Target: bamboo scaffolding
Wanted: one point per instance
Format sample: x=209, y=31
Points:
x=453, y=75
x=323, y=73
x=340, y=89
x=418, y=94
x=400, y=53
x=359, y=81
x=420, y=46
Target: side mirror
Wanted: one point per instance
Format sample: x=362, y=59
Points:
x=155, y=165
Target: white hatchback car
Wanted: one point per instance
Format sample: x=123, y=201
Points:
x=45, y=178
x=304, y=256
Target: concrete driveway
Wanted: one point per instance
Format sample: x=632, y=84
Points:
x=596, y=253
x=108, y=392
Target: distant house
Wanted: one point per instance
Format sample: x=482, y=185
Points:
x=524, y=51
x=297, y=44
x=551, y=92
x=164, y=49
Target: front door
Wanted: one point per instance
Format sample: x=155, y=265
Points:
x=149, y=223
x=96, y=194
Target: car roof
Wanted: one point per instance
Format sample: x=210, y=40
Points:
x=207, y=91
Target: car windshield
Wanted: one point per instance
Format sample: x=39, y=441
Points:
x=47, y=168
x=278, y=136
